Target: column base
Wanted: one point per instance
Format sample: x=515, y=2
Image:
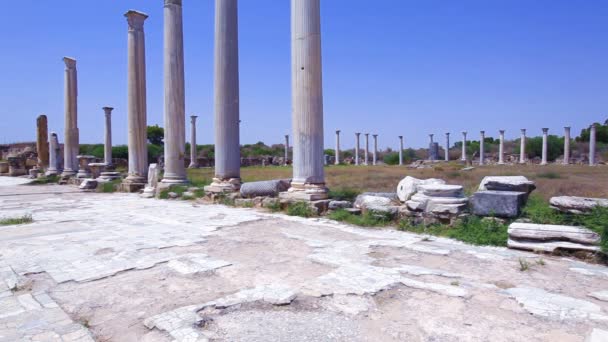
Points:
x=50, y=172
x=68, y=173
x=193, y=166
x=83, y=174
x=305, y=192
x=224, y=185
x=174, y=181
x=108, y=176
x=133, y=183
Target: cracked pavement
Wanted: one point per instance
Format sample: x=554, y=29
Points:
x=115, y=267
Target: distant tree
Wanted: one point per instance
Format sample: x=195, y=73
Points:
x=391, y=158
x=601, y=134
x=534, y=147
x=156, y=135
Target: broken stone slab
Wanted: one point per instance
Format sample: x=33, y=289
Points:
x=506, y=204
x=375, y=199
x=441, y=190
x=408, y=186
x=335, y=205
x=353, y=211
x=600, y=295
x=388, y=212
x=549, y=232
x=577, y=205
x=507, y=183
x=270, y=188
x=420, y=202
x=445, y=209
x=88, y=184
x=550, y=246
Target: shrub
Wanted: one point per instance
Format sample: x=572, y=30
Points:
x=9, y=221
x=391, y=158
x=344, y=194
x=45, y=180
x=109, y=187
x=365, y=220
x=301, y=209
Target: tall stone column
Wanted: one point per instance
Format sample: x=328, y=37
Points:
x=447, y=147
x=175, y=112
x=337, y=147
x=375, y=155
x=286, y=149
x=464, y=146
x=70, y=145
x=53, y=168
x=366, y=159
x=357, y=135
x=482, y=153
x=227, y=140
x=193, y=156
x=592, y=134
x=522, y=147
x=501, y=147
x=545, y=137
x=42, y=142
x=307, y=101
x=432, y=155
x=107, y=146
x=566, y=145
x=136, y=103
x=401, y=150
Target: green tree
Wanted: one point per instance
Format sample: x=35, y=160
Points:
x=601, y=133
x=156, y=135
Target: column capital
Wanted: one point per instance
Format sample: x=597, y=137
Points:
x=173, y=2
x=482, y=132
x=70, y=62
x=357, y=134
x=545, y=130
x=567, y=128
x=401, y=137
x=523, y=131
x=136, y=20
x=375, y=135
x=464, y=133
x=286, y=135
x=338, y=132
x=108, y=110
x=593, y=125
x=447, y=134
x=367, y=134
x=193, y=117
x=502, y=131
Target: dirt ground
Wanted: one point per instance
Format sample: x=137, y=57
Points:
x=116, y=267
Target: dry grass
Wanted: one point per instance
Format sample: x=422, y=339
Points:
x=551, y=180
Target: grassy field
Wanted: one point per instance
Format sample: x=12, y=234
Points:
x=551, y=180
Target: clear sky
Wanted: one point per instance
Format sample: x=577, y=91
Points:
x=391, y=67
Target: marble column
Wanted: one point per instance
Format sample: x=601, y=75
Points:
x=227, y=141
x=566, y=145
x=447, y=147
x=366, y=158
x=70, y=145
x=357, y=136
x=375, y=155
x=592, y=134
x=107, y=146
x=401, y=150
x=193, y=154
x=464, y=146
x=432, y=151
x=337, y=148
x=53, y=168
x=544, y=155
x=482, y=153
x=307, y=101
x=42, y=142
x=501, y=148
x=175, y=112
x=136, y=103
x=286, y=149
x=522, y=147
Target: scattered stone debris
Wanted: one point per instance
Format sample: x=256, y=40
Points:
x=88, y=184
x=548, y=238
x=408, y=186
x=577, y=205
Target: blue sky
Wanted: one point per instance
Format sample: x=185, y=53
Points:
x=391, y=67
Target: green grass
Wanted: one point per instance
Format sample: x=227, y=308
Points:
x=274, y=206
x=199, y=193
x=9, y=221
x=199, y=182
x=365, y=220
x=301, y=209
x=178, y=189
x=538, y=211
x=109, y=187
x=45, y=180
x=344, y=194
x=472, y=230
x=549, y=175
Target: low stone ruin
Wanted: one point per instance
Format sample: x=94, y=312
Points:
x=437, y=203
x=548, y=238
x=501, y=196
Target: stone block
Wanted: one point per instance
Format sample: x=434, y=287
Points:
x=335, y=205
x=441, y=190
x=270, y=188
x=375, y=199
x=577, y=205
x=548, y=232
x=498, y=203
x=507, y=183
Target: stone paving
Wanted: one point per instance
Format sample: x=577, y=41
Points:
x=115, y=267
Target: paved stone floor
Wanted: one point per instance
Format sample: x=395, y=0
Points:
x=115, y=267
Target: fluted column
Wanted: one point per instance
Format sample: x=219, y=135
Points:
x=357, y=136
x=592, y=134
x=307, y=99
x=401, y=150
x=366, y=159
x=375, y=155
x=107, y=146
x=286, y=149
x=337, y=148
x=136, y=103
x=193, y=156
x=175, y=107
x=482, y=153
x=227, y=140
x=544, y=155
x=566, y=145
x=70, y=145
x=464, y=146
x=501, y=147
x=53, y=168
x=522, y=147
x=447, y=147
